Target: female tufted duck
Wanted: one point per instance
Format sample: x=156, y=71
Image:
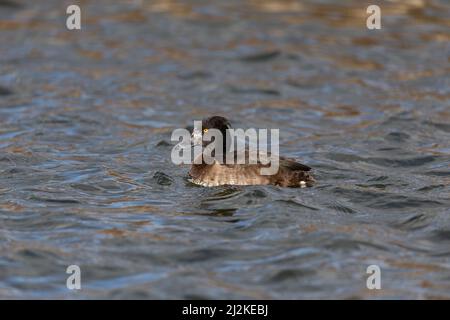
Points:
x=290, y=173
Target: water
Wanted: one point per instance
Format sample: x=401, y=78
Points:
x=85, y=170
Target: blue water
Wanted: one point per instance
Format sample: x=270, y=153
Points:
x=85, y=170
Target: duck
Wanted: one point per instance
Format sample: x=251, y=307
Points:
x=290, y=173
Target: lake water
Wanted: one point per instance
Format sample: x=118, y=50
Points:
x=86, y=177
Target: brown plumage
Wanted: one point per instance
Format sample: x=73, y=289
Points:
x=290, y=173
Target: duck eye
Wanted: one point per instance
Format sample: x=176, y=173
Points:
x=205, y=130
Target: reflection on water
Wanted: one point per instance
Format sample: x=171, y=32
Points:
x=85, y=170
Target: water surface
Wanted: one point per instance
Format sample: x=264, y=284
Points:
x=85, y=170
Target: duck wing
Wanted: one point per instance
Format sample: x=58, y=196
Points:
x=292, y=164
x=284, y=162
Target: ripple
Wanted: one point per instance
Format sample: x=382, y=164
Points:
x=50, y=200
x=291, y=274
x=162, y=179
x=438, y=173
x=86, y=176
x=415, y=222
x=384, y=200
x=198, y=74
x=440, y=126
x=253, y=90
x=5, y=91
x=298, y=203
x=384, y=162
x=260, y=56
x=342, y=208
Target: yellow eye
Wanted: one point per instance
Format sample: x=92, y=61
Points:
x=205, y=130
